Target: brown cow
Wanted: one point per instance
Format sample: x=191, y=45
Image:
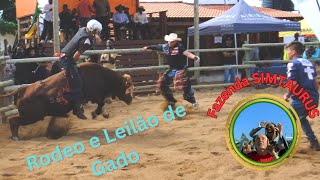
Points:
x=46, y=98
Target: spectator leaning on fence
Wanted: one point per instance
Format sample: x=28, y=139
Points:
x=255, y=53
x=229, y=59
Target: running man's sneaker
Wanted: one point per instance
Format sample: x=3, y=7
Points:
x=195, y=106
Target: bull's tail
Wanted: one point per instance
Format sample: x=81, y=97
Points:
x=13, y=92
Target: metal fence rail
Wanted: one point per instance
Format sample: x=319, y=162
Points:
x=275, y=61
x=7, y=86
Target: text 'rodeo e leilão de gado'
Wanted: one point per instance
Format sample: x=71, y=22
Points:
x=265, y=78
x=98, y=167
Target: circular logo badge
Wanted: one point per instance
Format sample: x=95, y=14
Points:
x=263, y=131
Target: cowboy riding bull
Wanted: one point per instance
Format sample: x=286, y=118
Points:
x=49, y=97
x=69, y=89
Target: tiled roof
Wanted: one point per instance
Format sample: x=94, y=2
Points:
x=182, y=10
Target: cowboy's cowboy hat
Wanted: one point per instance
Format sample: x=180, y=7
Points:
x=117, y=8
x=172, y=37
x=141, y=7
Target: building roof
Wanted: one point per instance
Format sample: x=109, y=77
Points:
x=182, y=10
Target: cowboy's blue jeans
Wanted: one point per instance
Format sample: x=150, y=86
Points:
x=231, y=73
x=74, y=79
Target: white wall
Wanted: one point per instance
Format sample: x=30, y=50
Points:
x=10, y=38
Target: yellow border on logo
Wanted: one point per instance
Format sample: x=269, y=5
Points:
x=266, y=98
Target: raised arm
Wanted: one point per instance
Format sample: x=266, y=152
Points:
x=157, y=47
x=190, y=55
x=254, y=131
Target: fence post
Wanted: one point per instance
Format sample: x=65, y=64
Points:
x=18, y=33
x=247, y=58
x=160, y=58
x=161, y=63
x=56, y=27
x=3, y=118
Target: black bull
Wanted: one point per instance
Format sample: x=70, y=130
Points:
x=46, y=97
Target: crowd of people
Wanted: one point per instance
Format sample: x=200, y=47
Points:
x=266, y=147
x=125, y=26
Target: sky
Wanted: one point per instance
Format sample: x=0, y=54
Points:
x=251, y=116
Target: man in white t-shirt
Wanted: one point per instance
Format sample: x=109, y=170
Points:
x=47, y=23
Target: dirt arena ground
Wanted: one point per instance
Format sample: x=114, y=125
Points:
x=192, y=148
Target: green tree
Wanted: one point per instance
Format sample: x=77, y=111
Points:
x=9, y=10
x=244, y=138
x=7, y=27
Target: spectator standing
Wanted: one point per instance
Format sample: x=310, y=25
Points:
x=75, y=21
x=229, y=59
x=85, y=12
x=48, y=23
x=66, y=22
x=102, y=8
x=141, y=22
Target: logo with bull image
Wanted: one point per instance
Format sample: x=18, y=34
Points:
x=34, y=102
x=263, y=131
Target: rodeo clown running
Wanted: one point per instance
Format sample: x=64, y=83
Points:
x=70, y=54
x=175, y=54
